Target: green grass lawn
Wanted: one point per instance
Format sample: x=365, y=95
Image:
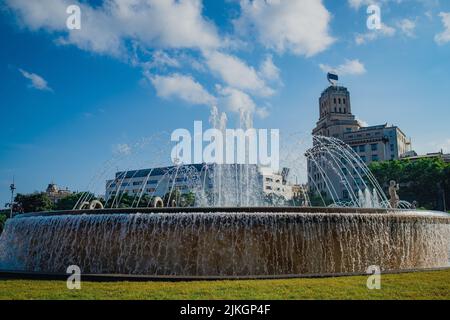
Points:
x=420, y=285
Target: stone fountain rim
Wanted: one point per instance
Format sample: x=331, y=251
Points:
x=235, y=210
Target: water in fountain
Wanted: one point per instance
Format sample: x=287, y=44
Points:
x=335, y=165
x=226, y=244
x=241, y=185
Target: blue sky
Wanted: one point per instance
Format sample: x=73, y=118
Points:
x=72, y=100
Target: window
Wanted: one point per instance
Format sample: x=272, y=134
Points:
x=392, y=147
x=334, y=100
x=137, y=183
x=344, y=100
x=355, y=148
x=339, y=100
x=362, y=148
x=374, y=146
x=363, y=158
x=152, y=181
x=375, y=157
x=340, y=110
x=345, y=110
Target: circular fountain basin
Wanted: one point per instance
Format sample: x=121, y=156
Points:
x=225, y=242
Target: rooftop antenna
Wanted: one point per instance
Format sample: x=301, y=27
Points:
x=332, y=78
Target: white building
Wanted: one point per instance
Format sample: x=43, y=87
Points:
x=157, y=182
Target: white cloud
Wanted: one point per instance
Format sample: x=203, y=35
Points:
x=407, y=27
x=182, y=87
x=444, y=37
x=107, y=28
x=239, y=102
x=385, y=31
x=349, y=67
x=36, y=81
x=161, y=59
x=236, y=73
x=268, y=70
x=297, y=26
x=356, y=4
x=235, y=100
x=262, y=112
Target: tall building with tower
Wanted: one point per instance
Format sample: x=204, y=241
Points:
x=371, y=143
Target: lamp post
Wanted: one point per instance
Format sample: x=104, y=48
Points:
x=12, y=187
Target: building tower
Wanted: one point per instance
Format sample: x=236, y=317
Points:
x=335, y=116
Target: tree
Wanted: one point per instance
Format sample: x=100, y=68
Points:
x=188, y=199
x=319, y=200
x=34, y=202
x=273, y=199
x=3, y=219
x=124, y=200
x=174, y=195
x=69, y=202
x=425, y=180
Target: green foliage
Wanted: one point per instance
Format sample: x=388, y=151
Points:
x=319, y=201
x=144, y=202
x=34, y=202
x=127, y=201
x=122, y=200
x=188, y=199
x=69, y=202
x=424, y=180
x=170, y=197
x=3, y=218
x=273, y=199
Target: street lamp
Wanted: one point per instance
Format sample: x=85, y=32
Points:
x=12, y=187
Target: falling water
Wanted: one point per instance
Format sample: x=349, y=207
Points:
x=226, y=244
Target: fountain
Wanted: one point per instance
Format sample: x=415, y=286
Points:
x=233, y=231
x=225, y=242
